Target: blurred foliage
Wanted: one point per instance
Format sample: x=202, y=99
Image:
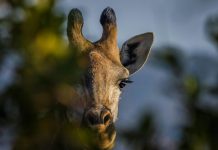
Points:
x=32, y=30
x=212, y=28
x=36, y=101
x=201, y=132
x=142, y=137
x=170, y=57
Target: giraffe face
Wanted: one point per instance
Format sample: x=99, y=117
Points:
x=108, y=70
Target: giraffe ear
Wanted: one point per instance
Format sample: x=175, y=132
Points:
x=135, y=51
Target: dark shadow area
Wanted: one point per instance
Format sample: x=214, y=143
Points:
x=195, y=82
x=38, y=70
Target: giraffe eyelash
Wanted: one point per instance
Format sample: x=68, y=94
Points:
x=124, y=82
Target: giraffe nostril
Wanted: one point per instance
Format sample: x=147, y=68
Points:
x=107, y=118
x=95, y=117
x=92, y=119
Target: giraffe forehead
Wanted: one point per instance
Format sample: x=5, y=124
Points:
x=107, y=58
x=101, y=62
x=101, y=66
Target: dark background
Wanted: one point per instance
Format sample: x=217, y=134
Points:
x=173, y=101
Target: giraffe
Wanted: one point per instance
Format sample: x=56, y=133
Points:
x=107, y=73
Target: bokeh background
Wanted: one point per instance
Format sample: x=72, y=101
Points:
x=173, y=101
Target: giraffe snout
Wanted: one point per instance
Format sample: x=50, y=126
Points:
x=98, y=117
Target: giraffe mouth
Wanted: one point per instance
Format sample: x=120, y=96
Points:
x=97, y=118
x=104, y=136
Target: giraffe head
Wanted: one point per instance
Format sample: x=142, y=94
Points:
x=108, y=69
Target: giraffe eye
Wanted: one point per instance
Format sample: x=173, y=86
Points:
x=123, y=83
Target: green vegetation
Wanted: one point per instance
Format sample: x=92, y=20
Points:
x=46, y=67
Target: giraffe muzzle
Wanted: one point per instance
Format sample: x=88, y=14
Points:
x=98, y=118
